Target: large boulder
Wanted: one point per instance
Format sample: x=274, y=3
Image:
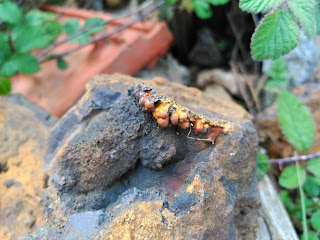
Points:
x=24, y=129
x=115, y=173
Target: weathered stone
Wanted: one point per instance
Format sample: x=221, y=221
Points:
x=269, y=127
x=24, y=128
x=114, y=173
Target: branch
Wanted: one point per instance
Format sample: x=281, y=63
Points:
x=57, y=43
x=104, y=36
x=293, y=159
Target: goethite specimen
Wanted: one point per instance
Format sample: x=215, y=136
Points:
x=165, y=111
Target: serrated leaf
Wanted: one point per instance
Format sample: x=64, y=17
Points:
x=71, y=26
x=36, y=17
x=62, y=64
x=52, y=29
x=276, y=35
x=93, y=21
x=311, y=187
x=295, y=121
x=4, y=47
x=315, y=220
x=20, y=62
x=258, y=5
x=10, y=12
x=289, y=177
x=304, y=11
x=263, y=165
x=202, y=9
x=318, y=18
x=218, y=2
x=5, y=85
x=314, y=166
x=27, y=38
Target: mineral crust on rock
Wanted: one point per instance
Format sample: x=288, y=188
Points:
x=24, y=129
x=115, y=173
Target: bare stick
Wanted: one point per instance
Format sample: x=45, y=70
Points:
x=199, y=139
x=57, y=43
x=293, y=159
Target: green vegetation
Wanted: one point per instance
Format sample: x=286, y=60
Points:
x=298, y=127
x=22, y=33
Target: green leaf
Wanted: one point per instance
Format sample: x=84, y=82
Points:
x=318, y=18
x=170, y=2
x=218, y=2
x=311, y=236
x=93, y=21
x=202, y=9
x=4, y=47
x=82, y=38
x=263, y=165
x=36, y=17
x=285, y=198
x=258, y=5
x=305, y=13
x=62, y=64
x=276, y=35
x=52, y=29
x=289, y=178
x=71, y=26
x=27, y=38
x=20, y=62
x=295, y=121
x=315, y=220
x=10, y=12
x=314, y=166
x=5, y=85
x=311, y=187
x=317, y=180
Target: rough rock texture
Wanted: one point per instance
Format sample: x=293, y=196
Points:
x=23, y=132
x=114, y=173
x=269, y=128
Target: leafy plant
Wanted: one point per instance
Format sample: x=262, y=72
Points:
x=278, y=76
x=298, y=127
x=278, y=32
x=25, y=32
x=202, y=8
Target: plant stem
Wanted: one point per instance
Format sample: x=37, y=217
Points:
x=294, y=159
x=303, y=206
x=57, y=43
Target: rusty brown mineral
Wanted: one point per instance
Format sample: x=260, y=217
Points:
x=165, y=111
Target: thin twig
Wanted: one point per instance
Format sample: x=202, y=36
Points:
x=104, y=36
x=238, y=35
x=57, y=43
x=199, y=139
x=255, y=19
x=293, y=159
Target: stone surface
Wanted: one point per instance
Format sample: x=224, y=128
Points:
x=269, y=128
x=114, y=173
x=23, y=132
x=167, y=67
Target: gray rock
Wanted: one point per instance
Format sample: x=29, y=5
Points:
x=111, y=164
